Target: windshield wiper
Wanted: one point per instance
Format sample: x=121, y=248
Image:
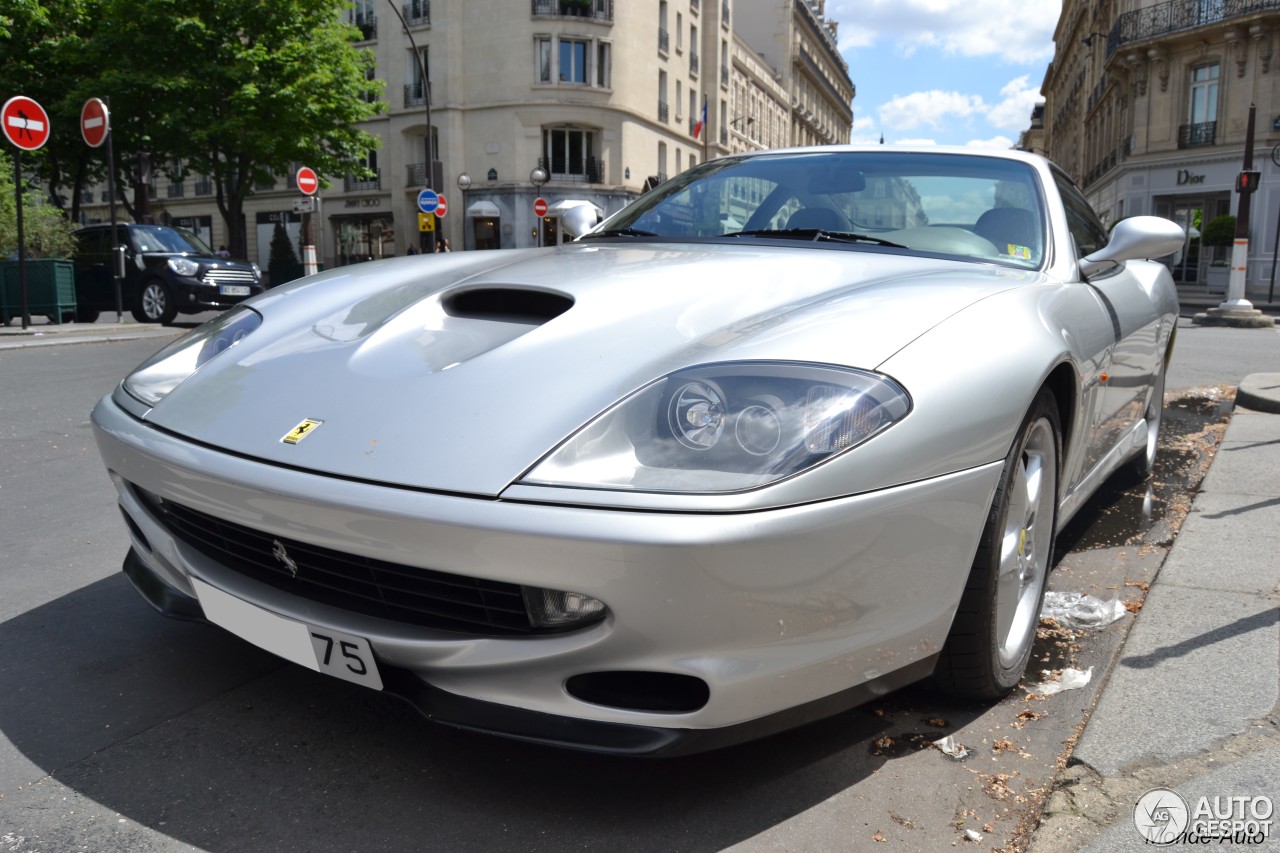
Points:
x=817, y=234
x=619, y=232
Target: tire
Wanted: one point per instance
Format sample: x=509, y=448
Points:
x=155, y=303
x=86, y=315
x=1143, y=465
x=990, y=643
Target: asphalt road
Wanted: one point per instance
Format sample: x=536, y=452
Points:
x=122, y=730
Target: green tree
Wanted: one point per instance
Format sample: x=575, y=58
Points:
x=281, y=246
x=46, y=233
x=238, y=90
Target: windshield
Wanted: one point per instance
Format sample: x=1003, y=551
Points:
x=159, y=238
x=971, y=206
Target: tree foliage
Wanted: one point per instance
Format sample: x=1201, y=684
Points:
x=46, y=233
x=236, y=90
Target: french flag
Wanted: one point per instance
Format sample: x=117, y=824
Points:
x=697, y=128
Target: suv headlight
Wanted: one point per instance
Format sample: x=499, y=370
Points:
x=164, y=371
x=724, y=428
x=184, y=266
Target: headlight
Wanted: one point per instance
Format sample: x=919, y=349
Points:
x=184, y=266
x=257, y=272
x=165, y=370
x=725, y=428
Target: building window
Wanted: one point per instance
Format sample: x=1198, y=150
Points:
x=573, y=61
x=569, y=154
x=1204, y=93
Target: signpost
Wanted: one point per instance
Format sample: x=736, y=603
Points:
x=308, y=183
x=26, y=125
x=95, y=129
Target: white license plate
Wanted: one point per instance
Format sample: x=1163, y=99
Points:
x=234, y=289
x=331, y=652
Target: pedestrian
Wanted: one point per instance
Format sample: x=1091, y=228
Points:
x=445, y=244
x=413, y=250
x=223, y=251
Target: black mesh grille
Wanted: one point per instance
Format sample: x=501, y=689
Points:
x=405, y=594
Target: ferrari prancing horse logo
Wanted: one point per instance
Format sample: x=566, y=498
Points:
x=301, y=431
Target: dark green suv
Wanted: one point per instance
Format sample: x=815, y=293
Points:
x=167, y=271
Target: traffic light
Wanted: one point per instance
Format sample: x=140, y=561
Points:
x=1247, y=182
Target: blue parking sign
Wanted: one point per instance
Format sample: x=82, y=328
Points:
x=427, y=201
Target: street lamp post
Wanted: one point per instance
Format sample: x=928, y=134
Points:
x=539, y=177
x=464, y=184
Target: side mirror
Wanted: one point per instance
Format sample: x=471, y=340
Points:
x=578, y=220
x=1136, y=238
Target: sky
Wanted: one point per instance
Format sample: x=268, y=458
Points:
x=945, y=72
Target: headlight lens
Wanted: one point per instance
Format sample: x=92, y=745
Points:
x=165, y=370
x=725, y=428
x=257, y=271
x=184, y=266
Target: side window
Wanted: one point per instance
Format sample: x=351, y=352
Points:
x=1087, y=229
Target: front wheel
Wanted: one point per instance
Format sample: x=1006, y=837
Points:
x=990, y=643
x=155, y=304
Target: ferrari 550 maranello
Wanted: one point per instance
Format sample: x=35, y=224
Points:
x=789, y=431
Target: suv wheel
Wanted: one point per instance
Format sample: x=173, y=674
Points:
x=155, y=304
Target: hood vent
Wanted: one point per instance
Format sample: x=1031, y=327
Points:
x=507, y=304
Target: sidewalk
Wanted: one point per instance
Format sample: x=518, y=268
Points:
x=43, y=333
x=1191, y=704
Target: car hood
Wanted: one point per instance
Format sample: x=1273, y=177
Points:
x=458, y=372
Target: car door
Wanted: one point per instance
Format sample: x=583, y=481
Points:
x=1128, y=367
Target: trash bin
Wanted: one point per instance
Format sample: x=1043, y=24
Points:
x=51, y=290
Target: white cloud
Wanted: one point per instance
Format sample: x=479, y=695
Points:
x=1014, y=110
x=932, y=108
x=999, y=142
x=1017, y=31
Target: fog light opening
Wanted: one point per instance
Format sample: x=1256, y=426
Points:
x=656, y=692
x=559, y=610
x=135, y=530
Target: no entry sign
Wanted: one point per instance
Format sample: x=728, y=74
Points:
x=307, y=180
x=442, y=206
x=25, y=123
x=539, y=207
x=95, y=122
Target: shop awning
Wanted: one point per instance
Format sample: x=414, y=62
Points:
x=485, y=209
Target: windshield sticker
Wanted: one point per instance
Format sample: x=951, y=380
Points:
x=1019, y=252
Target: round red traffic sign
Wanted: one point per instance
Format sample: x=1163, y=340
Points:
x=539, y=206
x=95, y=122
x=25, y=123
x=307, y=180
x=442, y=206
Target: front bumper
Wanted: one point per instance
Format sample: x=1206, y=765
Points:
x=194, y=296
x=786, y=615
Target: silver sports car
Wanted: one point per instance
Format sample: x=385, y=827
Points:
x=792, y=429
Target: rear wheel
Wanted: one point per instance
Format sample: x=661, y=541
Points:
x=1144, y=464
x=155, y=304
x=995, y=626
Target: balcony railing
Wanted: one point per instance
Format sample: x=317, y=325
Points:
x=416, y=174
x=177, y=190
x=663, y=112
x=1197, y=135
x=417, y=13
x=413, y=94
x=600, y=10
x=354, y=185
x=587, y=169
x=204, y=186
x=1177, y=15
x=367, y=25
